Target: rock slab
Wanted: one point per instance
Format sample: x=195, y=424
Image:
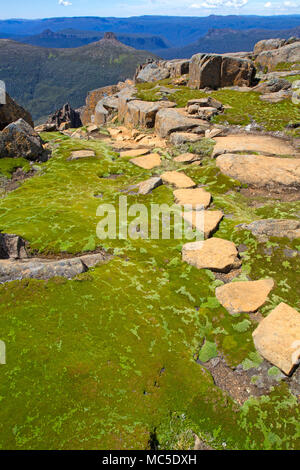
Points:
x=177, y=179
x=277, y=338
x=215, y=254
x=244, y=297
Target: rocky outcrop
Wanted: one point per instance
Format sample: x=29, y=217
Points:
x=160, y=70
x=152, y=72
x=277, y=338
x=261, y=171
x=173, y=120
x=288, y=54
x=268, y=45
x=93, y=98
x=263, y=144
x=105, y=109
x=11, y=112
x=64, y=118
x=143, y=113
x=19, y=139
x=265, y=228
x=216, y=71
x=146, y=187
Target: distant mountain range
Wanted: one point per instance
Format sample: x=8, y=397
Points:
x=69, y=38
x=43, y=79
x=179, y=31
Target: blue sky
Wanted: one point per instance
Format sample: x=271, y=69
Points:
x=124, y=8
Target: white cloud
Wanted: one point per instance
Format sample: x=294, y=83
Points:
x=64, y=3
x=268, y=5
x=290, y=4
x=220, y=3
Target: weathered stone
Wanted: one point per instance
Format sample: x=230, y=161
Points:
x=177, y=179
x=178, y=67
x=215, y=71
x=12, y=246
x=273, y=85
x=152, y=72
x=11, y=112
x=276, y=97
x=289, y=53
x=19, y=139
x=277, y=338
x=124, y=96
x=206, y=103
x=64, y=118
x=147, y=186
x=79, y=154
x=207, y=113
x=261, y=171
x=104, y=110
x=178, y=138
x=211, y=133
x=35, y=268
x=206, y=222
x=134, y=153
x=279, y=228
x=187, y=158
x=93, y=97
x=142, y=113
x=215, y=254
x=268, y=45
x=244, y=297
x=147, y=161
x=172, y=120
x=264, y=144
x=196, y=198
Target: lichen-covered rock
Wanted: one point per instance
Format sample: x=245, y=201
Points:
x=289, y=53
x=152, y=72
x=277, y=338
x=273, y=85
x=244, y=297
x=10, y=111
x=19, y=139
x=261, y=171
x=35, y=268
x=268, y=45
x=216, y=71
x=266, y=228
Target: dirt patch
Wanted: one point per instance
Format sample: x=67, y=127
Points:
x=10, y=184
x=258, y=195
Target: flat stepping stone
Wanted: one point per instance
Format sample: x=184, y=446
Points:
x=193, y=197
x=177, y=179
x=134, y=153
x=265, y=145
x=215, y=254
x=78, y=154
x=265, y=228
x=261, y=171
x=146, y=187
x=244, y=297
x=186, y=158
x=205, y=222
x=147, y=161
x=277, y=338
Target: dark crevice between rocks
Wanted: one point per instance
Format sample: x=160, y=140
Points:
x=153, y=441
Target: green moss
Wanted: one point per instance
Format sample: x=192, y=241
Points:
x=282, y=66
x=106, y=360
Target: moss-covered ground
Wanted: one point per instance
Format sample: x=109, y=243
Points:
x=107, y=360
